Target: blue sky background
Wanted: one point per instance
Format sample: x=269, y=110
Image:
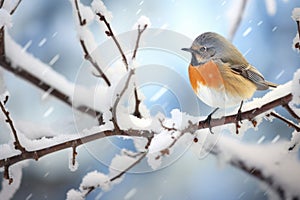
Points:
x=268, y=47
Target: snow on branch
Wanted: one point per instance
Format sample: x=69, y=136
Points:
x=162, y=134
x=296, y=17
x=41, y=75
x=85, y=16
x=280, y=172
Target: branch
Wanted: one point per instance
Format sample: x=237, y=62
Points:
x=140, y=32
x=110, y=33
x=141, y=156
x=22, y=73
x=238, y=21
x=118, y=99
x=137, y=112
x=17, y=143
x=15, y=8
x=192, y=127
x=288, y=122
x=37, y=154
x=249, y=115
x=87, y=55
x=255, y=172
x=37, y=82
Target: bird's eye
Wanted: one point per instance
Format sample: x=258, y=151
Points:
x=202, y=49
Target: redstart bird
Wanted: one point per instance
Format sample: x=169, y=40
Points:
x=220, y=75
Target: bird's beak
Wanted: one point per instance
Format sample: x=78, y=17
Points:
x=189, y=50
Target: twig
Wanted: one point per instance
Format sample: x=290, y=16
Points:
x=288, y=122
x=2, y=45
x=15, y=8
x=297, y=45
x=238, y=20
x=110, y=33
x=1, y=3
x=17, y=143
x=118, y=99
x=87, y=55
x=140, y=32
x=91, y=188
x=137, y=112
x=74, y=153
x=142, y=155
x=291, y=111
x=6, y=174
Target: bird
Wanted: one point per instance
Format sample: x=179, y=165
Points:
x=220, y=75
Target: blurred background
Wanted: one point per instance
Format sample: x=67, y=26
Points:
x=46, y=29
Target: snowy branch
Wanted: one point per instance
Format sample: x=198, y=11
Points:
x=87, y=55
x=17, y=143
x=192, y=127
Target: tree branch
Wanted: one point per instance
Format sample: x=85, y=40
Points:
x=15, y=8
x=192, y=127
x=17, y=143
x=118, y=99
x=140, y=32
x=136, y=111
x=87, y=55
x=288, y=122
x=291, y=111
x=37, y=82
x=252, y=171
x=110, y=33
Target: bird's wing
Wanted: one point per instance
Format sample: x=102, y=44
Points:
x=251, y=73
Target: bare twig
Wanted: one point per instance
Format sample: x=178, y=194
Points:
x=15, y=8
x=2, y=45
x=74, y=153
x=1, y=3
x=110, y=33
x=291, y=111
x=238, y=20
x=288, y=122
x=140, y=32
x=87, y=55
x=136, y=111
x=17, y=143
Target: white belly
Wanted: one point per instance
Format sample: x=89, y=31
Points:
x=217, y=98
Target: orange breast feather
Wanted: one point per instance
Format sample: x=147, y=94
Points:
x=207, y=75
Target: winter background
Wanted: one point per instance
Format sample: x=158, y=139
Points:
x=46, y=29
